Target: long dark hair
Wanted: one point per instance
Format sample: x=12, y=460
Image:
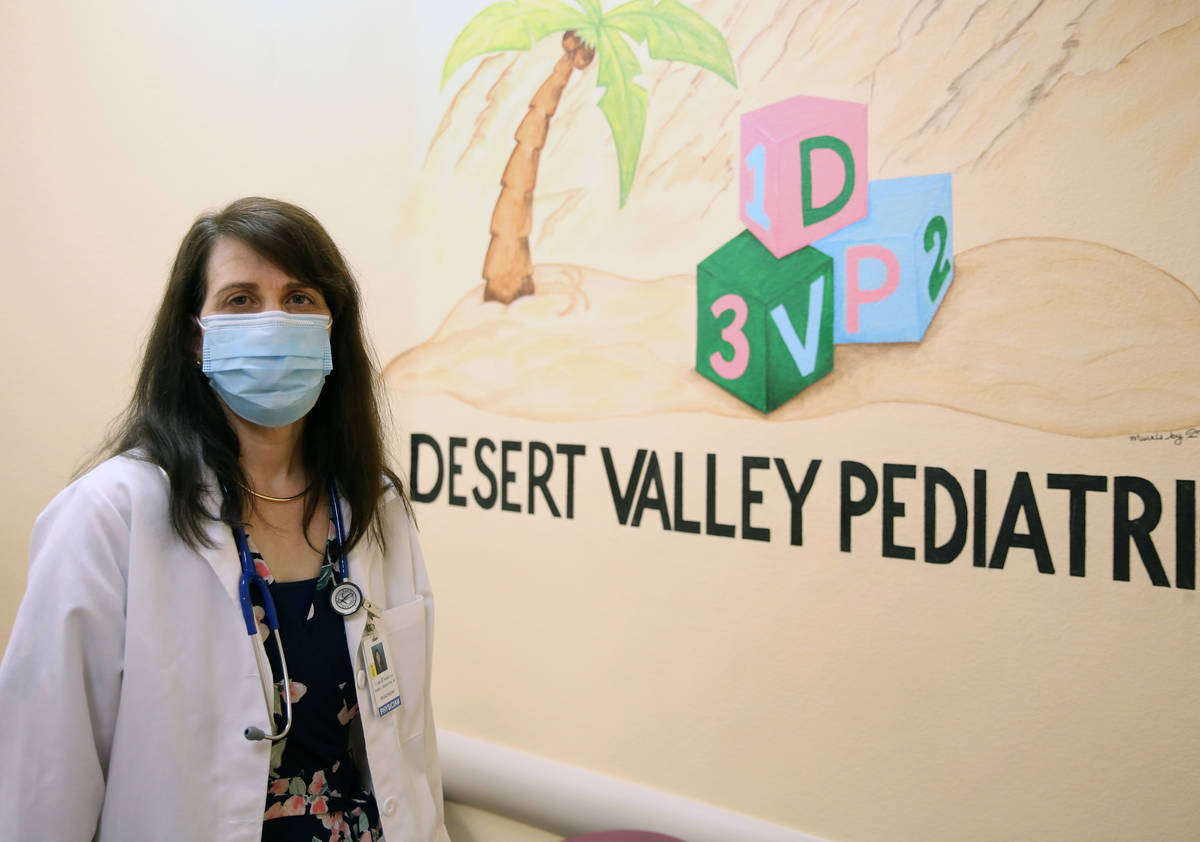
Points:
x=175, y=421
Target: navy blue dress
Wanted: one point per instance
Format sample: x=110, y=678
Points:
x=314, y=793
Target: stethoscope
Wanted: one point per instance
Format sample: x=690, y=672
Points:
x=346, y=598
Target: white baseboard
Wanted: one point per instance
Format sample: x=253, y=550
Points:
x=571, y=801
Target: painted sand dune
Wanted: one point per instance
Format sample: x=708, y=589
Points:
x=1043, y=112
x=1058, y=335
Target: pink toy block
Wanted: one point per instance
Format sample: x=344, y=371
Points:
x=804, y=170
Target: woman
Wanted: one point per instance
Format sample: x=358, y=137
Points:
x=134, y=703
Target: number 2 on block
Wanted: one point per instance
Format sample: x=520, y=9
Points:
x=732, y=333
x=935, y=232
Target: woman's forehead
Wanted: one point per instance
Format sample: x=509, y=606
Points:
x=234, y=264
x=234, y=261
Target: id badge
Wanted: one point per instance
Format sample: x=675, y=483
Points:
x=385, y=687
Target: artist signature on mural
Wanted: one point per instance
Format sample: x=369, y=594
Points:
x=1174, y=437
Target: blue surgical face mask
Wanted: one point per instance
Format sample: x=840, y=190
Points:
x=268, y=367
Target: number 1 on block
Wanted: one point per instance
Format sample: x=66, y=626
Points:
x=755, y=209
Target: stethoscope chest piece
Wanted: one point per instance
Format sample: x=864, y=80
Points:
x=346, y=598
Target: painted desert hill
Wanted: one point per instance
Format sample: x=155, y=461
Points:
x=1072, y=131
x=1076, y=119
x=1058, y=335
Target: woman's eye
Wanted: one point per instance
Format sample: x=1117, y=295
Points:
x=239, y=300
x=302, y=299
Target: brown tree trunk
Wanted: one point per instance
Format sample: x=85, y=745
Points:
x=508, y=266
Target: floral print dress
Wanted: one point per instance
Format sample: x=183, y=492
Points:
x=314, y=793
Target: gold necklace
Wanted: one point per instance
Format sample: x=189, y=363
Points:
x=271, y=499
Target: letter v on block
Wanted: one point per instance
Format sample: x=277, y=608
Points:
x=804, y=354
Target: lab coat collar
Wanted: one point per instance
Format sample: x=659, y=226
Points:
x=363, y=562
x=221, y=554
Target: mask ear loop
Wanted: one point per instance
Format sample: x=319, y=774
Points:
x=200, y=324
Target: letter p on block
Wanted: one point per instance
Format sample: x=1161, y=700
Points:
x=892, y=269
x=803, y=170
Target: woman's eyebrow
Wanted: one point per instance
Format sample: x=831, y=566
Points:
x=237, y=285
x=301, y=285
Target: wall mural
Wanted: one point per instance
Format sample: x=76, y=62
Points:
x=1047, y=332
x=861, y=281
x=1106, y=299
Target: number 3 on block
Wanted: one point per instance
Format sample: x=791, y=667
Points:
x=804, y=354
x=736, y=367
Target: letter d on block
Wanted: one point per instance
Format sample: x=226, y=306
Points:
x=813, y=215
x=855, y=295
x=801, y=159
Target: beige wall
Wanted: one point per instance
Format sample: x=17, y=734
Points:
x=470, y=824
x=124, y=121
x=848, y=695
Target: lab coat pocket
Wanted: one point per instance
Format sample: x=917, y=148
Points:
x=404, y=626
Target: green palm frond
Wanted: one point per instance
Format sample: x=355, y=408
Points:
x=673, y=32
x=669, y=29
x=510, y=25
x=592, y=7
x=624, y=102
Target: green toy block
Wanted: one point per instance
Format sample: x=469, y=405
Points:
x=764, y=325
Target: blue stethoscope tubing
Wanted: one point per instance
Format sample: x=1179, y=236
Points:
x=250, y=575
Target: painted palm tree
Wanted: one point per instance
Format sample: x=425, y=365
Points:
x=671, y=32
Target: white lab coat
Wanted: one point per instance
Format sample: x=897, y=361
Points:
x=129, y=678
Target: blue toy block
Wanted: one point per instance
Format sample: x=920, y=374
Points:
x=892, y=269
